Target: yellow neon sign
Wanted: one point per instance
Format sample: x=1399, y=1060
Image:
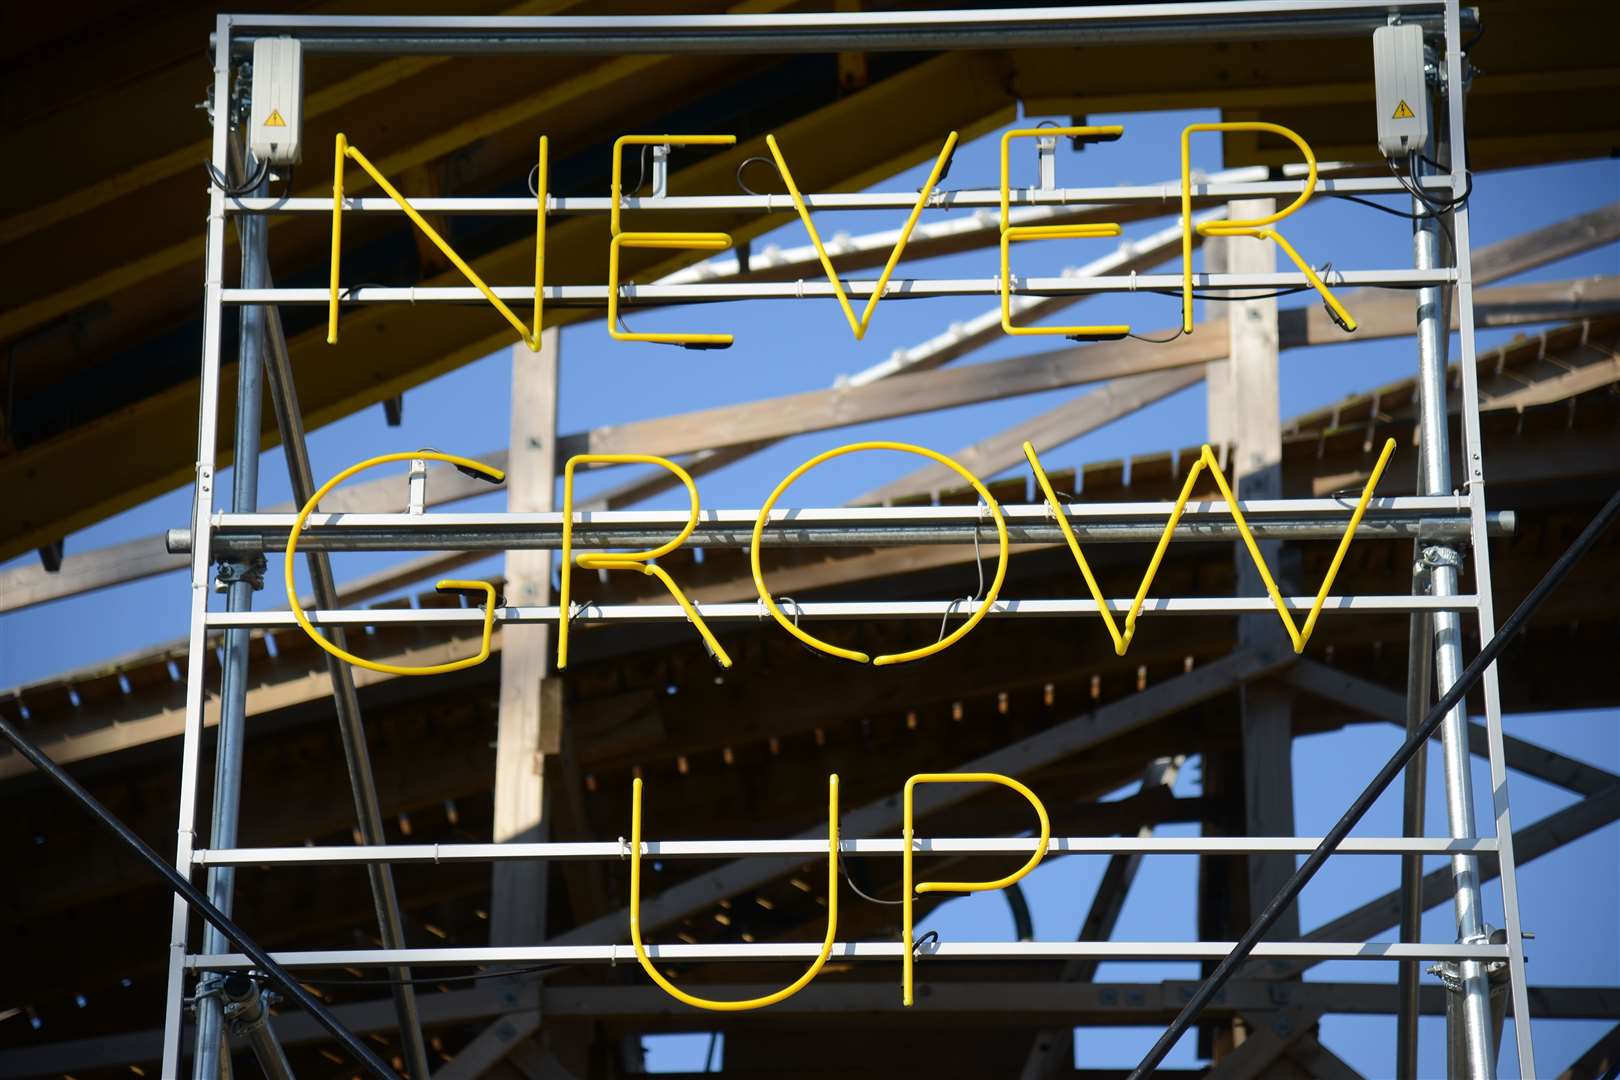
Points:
x=751, y=1003
x=852, y=654
x=1084, y=231
x=858, y=326
x=687, y=241
x=1206, y=459
x=1255, y=227
x=640, y=561
x=289, y=565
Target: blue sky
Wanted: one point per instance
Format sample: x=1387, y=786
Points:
x=797, y=345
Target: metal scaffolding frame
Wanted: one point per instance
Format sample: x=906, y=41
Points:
x=1445, y=522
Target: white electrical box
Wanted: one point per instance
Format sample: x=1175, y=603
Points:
x=276, y=118
x=1403, y=95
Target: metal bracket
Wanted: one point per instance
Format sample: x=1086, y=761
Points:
x=1436, y=555
x=231, y=571
x=418, y=486
x=660, y=170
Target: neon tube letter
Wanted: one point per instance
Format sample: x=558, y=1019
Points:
x=640, y=561
x=908, y=848
x=1010, y=233
x=1256, y=227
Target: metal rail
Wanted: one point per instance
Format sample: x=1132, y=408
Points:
x=821, y=289
x=834, y=31
x=851, y=610
x=735, y=849
x=863, y=950
x=957, y=199
x=244, y=534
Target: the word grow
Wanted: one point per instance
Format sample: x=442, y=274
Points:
x=643, y=562
x=620, y=238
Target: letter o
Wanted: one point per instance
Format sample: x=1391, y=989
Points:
x=851, y=654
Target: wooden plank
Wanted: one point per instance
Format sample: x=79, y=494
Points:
x=1560, y=240
x=517, y=907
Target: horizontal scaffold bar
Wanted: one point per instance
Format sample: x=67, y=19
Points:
x=960, y=199
x=733, y=849
x=860, y=950
x=819, y=288
x=852, y=610
x=864, y=31
x=1438, y=519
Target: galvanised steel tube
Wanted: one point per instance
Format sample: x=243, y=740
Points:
x=250, y=1019
x=1419, y=692
x=496, y=538
x=1433, y=337
x=232, y=731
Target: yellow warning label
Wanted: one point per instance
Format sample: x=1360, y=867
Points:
x=275, y=120
x=1403, y=111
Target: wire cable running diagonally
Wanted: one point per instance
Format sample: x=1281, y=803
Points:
x=1392, y=768
x=190, y=893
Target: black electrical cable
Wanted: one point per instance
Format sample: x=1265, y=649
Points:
x=189, y=892
x=745, y=163
x=247, y=187
x=1392, y=768
x=1157, y=340
x=533, y=969
x=857, y=890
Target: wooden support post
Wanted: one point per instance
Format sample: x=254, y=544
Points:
x=518, y=900
x=1245, y=414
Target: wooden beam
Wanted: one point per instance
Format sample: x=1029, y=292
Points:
x=819, y=410
x=491, y=1045
x=1249, y=424
x=1375, y=700
x=1264, y=1053
x=1538, y=247
x=518, y=901
x=1599, y=1061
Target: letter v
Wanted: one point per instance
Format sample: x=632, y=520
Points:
x=942, y=165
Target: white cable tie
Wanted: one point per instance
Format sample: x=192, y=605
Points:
x=613, y=954
x=1133, y=281
x=798, y=287
x=624, y=848
x=435, y=853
